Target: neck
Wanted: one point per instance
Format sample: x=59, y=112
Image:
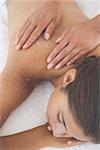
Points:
x=58, y=81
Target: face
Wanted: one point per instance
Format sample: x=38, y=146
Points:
x=60, y=119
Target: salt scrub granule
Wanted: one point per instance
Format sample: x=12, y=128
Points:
x=40, y=45
x=39, y=67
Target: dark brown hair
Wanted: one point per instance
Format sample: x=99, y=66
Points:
x=84, y=97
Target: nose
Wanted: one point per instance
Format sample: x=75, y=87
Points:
x=61, y=131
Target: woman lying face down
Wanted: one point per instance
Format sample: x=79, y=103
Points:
x=73, y=110
x=74, y=107
x=74, y=104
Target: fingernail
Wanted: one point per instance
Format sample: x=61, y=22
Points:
x=16, y=42
x=48, y=60
x=47, y=36
x=58, y=40
x=24, y=47
x=50, y=66
x=69, y=63
x=57, y=67
x=18, y=47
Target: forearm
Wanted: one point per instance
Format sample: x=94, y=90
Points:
x=28, y=140
x=97, y=22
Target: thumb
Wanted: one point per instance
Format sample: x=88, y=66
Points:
x=49, y=30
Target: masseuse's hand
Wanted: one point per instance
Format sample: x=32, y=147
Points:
x=46, y=18
x=74, y=43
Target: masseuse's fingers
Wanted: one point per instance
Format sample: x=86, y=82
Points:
x=50, y=29
x=56, y=51
x=69, y=57
x=46, y=17
x=59, y=39
x=33, y=32
x=38, y=31
x=34, y=35
x=22, y=31
x=25, y=36
x=76, y=57
x=61, y=55
x=63, y=42
x=66, y=59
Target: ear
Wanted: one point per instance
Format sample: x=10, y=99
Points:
x=69, y=77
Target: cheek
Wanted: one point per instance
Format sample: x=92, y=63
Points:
x=53, y=107
x=52, y=112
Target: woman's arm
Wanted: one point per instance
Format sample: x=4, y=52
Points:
x=34, y=140
x=14, y=88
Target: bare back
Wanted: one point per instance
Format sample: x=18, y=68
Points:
x=34, y=59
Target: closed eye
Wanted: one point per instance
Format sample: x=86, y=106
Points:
x=63, y=121
x=58, y=117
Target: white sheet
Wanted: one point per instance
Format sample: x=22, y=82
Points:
x=32, y=112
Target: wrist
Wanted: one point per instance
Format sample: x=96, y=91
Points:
x=96, y=21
